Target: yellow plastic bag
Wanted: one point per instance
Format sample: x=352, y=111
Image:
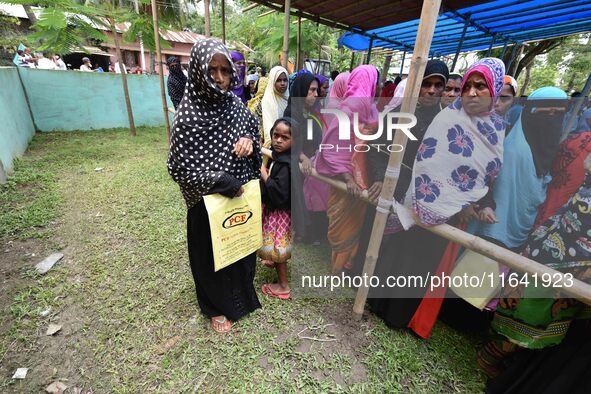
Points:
x=475, y=265
x=236, y=225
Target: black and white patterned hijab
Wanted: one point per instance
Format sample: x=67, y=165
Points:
x=207, y=124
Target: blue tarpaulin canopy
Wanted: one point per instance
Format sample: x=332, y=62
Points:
x=499, y=22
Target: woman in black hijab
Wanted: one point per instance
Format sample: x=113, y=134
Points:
x=214, y=148
x=176, y=81
x=302, y=97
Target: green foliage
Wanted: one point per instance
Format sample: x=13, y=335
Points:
x=541, y=75
x=67, y=25
x=11, y=36
x=572, y=59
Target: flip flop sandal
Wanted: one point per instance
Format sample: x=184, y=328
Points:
x=220, y=321
x=268, y=291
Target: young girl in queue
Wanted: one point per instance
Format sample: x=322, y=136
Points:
x=276, y=198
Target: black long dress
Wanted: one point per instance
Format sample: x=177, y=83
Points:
x=201, y=160
x=230, y=291
x=406, y=253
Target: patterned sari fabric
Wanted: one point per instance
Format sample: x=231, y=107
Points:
x=459, y=156
x=567, y=173
x=535, y=317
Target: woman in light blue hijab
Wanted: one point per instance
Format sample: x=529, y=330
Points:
x=521, y=185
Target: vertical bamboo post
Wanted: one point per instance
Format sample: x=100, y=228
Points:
x=123, y=78
x=224, y=22
x=206, y=17
x=428, y=19
x=160, y=70
x=352, y=61
x=285, y=60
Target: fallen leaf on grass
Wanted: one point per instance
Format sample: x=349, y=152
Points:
x=56, y=388
x=168, y=345
x=53, y=329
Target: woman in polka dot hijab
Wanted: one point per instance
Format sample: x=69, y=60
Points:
x=207, y=128
x=214, y=148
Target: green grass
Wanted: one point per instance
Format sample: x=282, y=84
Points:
x=126, y=299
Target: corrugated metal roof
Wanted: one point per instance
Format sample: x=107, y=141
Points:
x=363, y=15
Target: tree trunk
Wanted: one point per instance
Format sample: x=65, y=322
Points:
x=571, y=83
x=206, y=16
x=513, y=66
x=123, y=79
x=532, y=52
x=182, y=16
x=30, y=14
x=526, y=80
x=384, y=76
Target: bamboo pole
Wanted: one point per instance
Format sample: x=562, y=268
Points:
x=579, y=289
x=160, y=70
x=285, y=60
x=123, y=78
x=428, y=19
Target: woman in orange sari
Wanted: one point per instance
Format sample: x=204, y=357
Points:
x=345, y=160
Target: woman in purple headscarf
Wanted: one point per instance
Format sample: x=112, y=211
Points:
x=240, y=64
x=324, y=85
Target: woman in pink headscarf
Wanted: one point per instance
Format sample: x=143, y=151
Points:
x=346, y=212
x=338, y=90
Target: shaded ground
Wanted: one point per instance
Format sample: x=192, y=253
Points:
x=124, y=295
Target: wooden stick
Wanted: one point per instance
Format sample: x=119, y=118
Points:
x=285, y=60
x=123, y=78
x=160, y=70
x=428, y=19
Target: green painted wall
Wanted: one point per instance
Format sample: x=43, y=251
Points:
x=16, y=125
x=73, y=100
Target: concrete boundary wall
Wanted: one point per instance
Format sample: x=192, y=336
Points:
x=74, y=100
x=16, y=125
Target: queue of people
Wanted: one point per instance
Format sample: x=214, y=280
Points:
x=479, y=162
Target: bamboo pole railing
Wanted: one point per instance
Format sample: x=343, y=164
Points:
x=429, y=14
x=578, y=290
